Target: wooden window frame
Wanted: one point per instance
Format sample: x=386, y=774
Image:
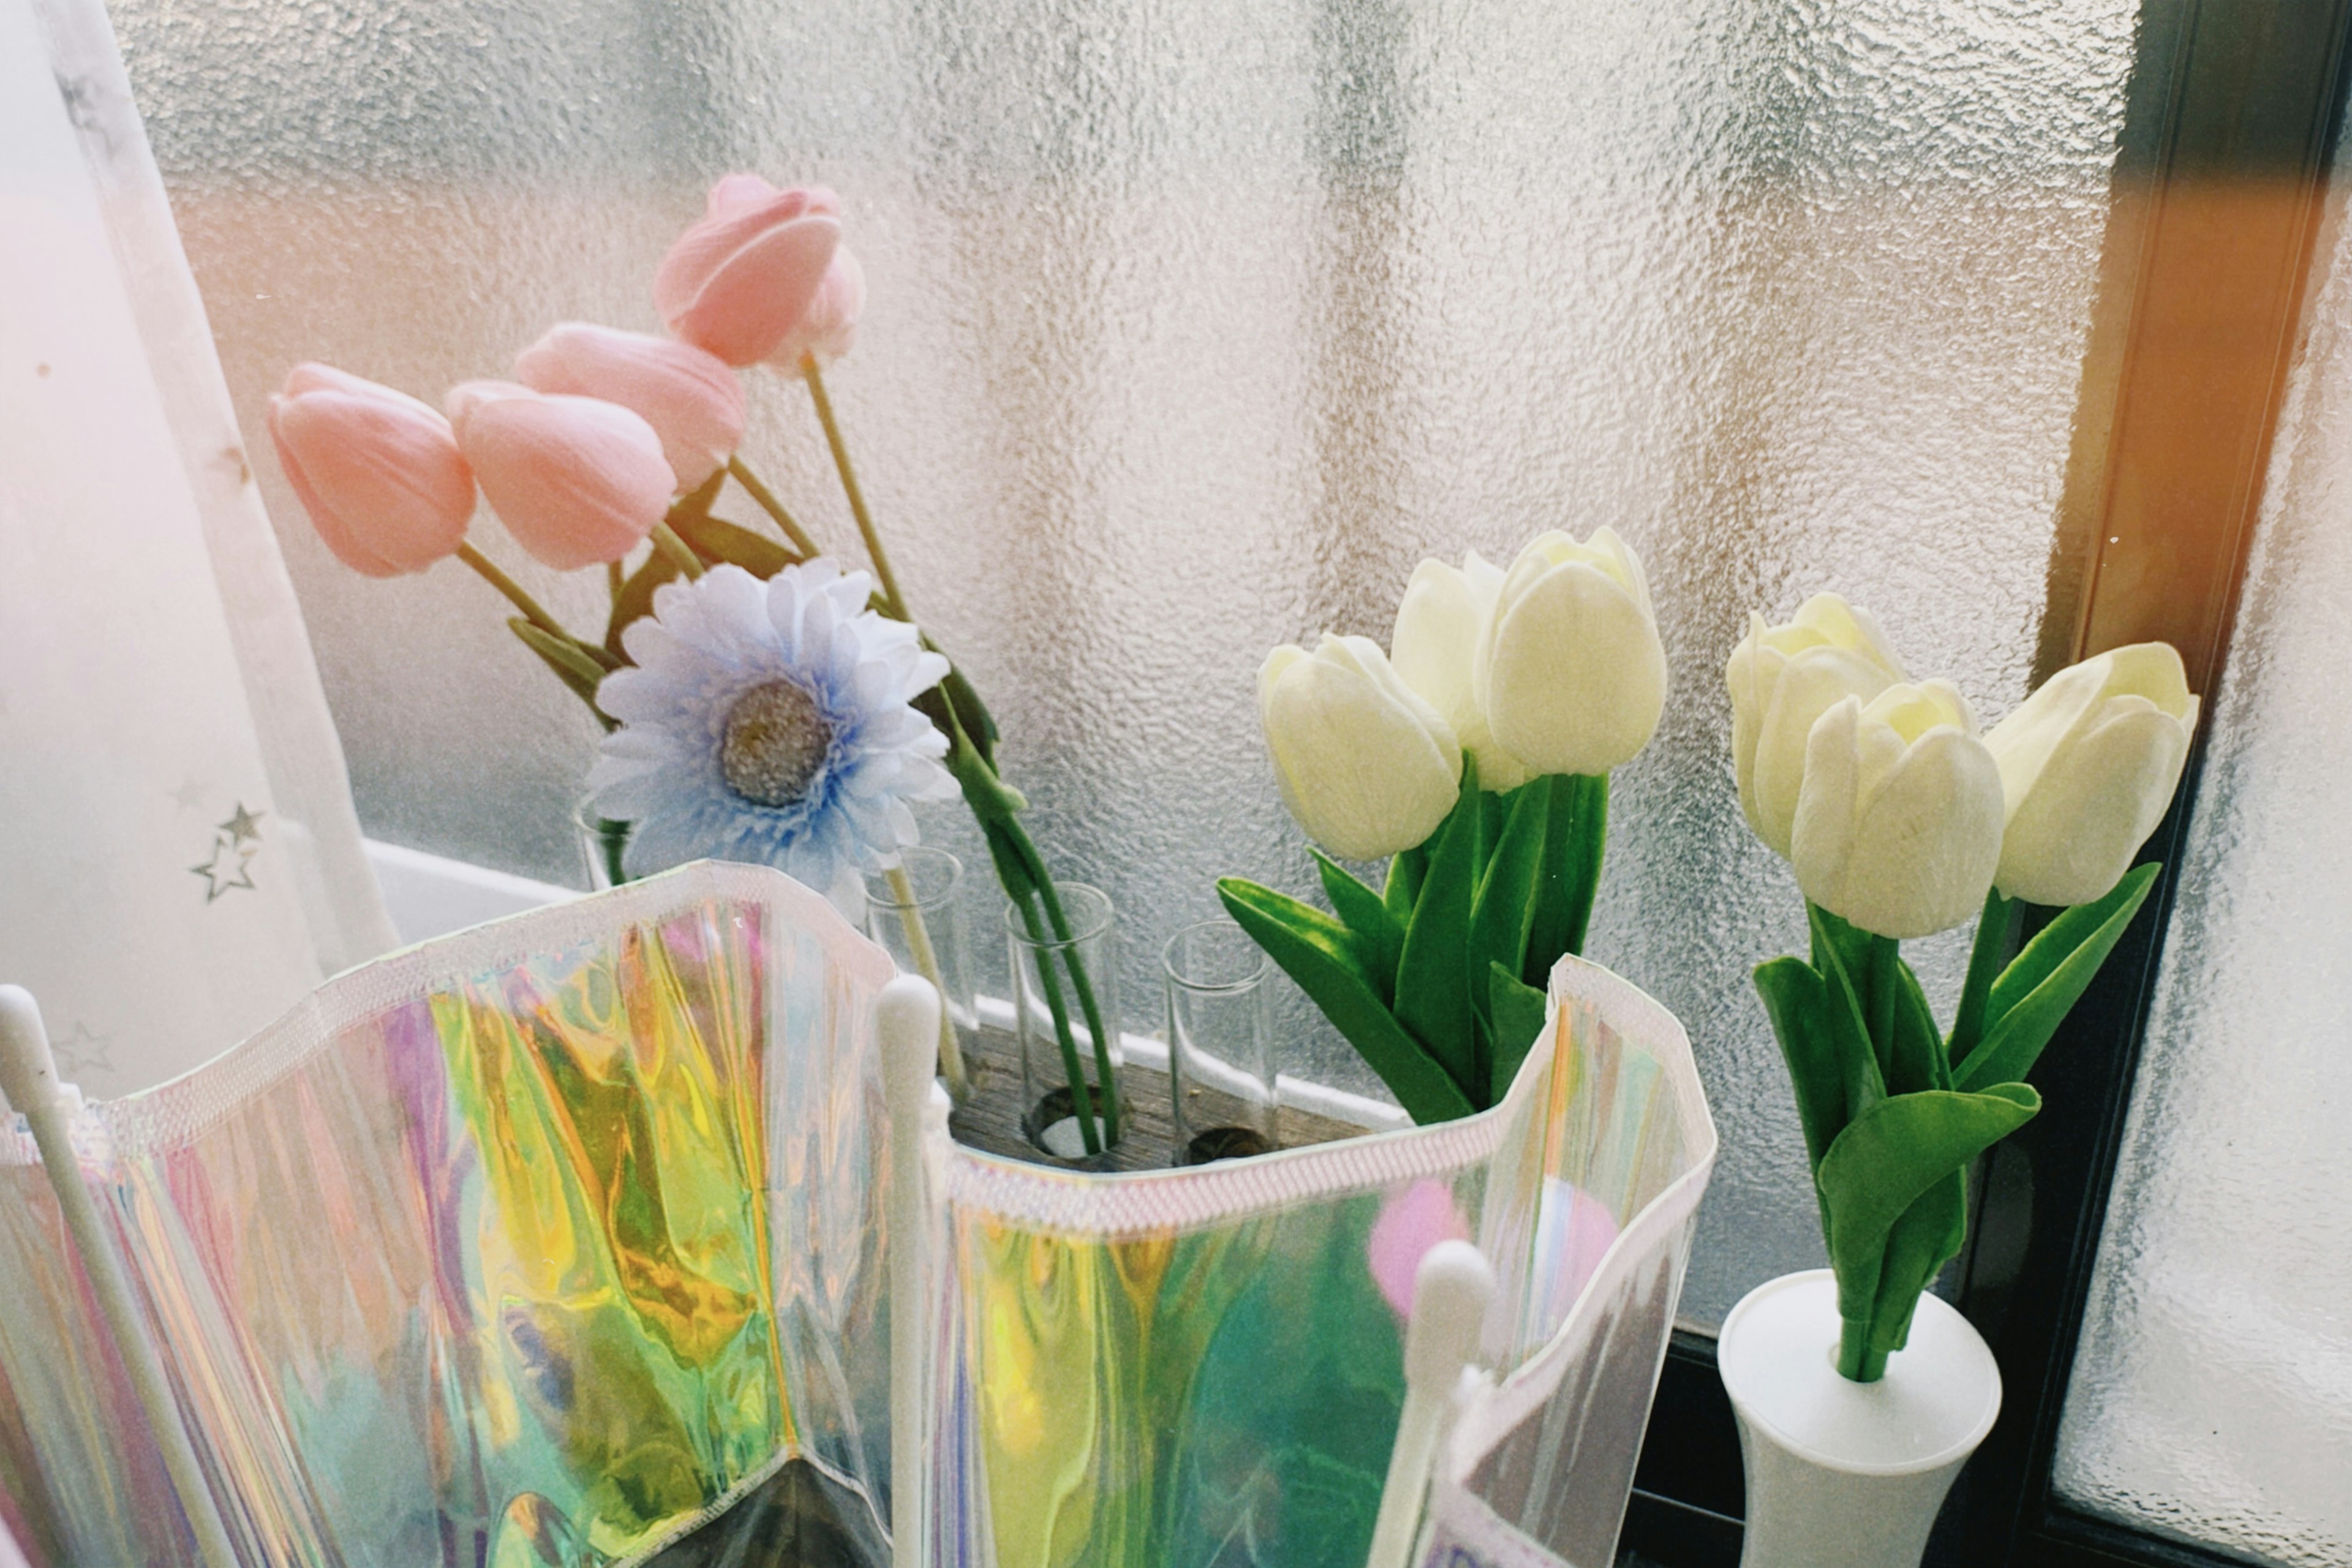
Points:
x=2219, y=195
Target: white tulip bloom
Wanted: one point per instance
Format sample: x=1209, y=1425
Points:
x=2088, y=764
x=1366, y=766
x=1438, y=624
x=1898, y=823
x=1570, y=672
x=1783, y=677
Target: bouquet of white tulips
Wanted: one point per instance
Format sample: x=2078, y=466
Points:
x=1475, y=754
x=1900, y=821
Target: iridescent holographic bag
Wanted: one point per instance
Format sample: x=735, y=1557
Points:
x=564, y=1241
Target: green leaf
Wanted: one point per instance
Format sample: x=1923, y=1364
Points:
x=978, y=722
x=1314, y=950
x=1916, y=1060
x=635, y=599
x=1015, y=872
x=1796, y=1001
x=1851, y=944
x=2058, y=939
x=1493, y=812
x=1379, y=940
x=2037, y=991
x=1518, y=1011
x=697, y=502
x=1506, y=903
x=1889, y=1156
x=715, y=541
x=1925, y=1236
x=1576, y=835
x=1434, y=973
x=720, y=542
x=570, y=661
x=1408, y=868
x=1993, y=923
x=989, y=797
x=1841, y=1014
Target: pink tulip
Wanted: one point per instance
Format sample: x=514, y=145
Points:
x=576, y=480
x=1414, y=1219
x=742, y=280
x=379, y=472
x=691, y=399
x=830, y=326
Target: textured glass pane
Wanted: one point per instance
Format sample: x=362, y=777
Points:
x=1192, y=329
x=2212, y=1395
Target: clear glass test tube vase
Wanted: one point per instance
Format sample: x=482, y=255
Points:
x=1065, y=958
x=1221, y=1066
x=915, y=912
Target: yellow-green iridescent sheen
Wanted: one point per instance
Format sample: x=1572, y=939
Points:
x=1161, y=1399
x=476, y=1262
x=622, y=1321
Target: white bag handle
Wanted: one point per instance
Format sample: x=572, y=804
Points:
x=1450, y=1293
x=28, y=1076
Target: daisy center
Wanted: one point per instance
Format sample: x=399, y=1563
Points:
x=775, y=741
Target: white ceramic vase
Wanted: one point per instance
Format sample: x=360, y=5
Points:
x=1841, y=1474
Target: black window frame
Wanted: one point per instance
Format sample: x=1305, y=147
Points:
x=2221, y=194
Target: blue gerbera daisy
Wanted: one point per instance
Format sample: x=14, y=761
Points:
x=770, y=723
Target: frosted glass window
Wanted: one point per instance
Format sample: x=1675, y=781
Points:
x=1192, y=328
x=2211, y=1398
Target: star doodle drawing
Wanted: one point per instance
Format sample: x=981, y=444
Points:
x=244, y=826
x=230, y=866
x=86, y=1050
x=189, y=797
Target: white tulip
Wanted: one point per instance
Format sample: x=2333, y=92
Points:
x=1783, y=677
x=2088, y=764
x=1438, y=622
x=1366, y=766
x=1570, y=672
x=1898, y=822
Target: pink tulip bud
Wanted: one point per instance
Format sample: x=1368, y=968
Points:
x=691, y=399
x=830, y=327
x=379, y=472
x=576, y=480
x=1412, y=1220
x=742, y=279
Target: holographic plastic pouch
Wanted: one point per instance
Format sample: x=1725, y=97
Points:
x=1204, y=1368
x=1540, y=1458
x=543, y=1245
x=561, y=1243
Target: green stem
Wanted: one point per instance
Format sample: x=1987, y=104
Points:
x=1103, y=1071
x=866, y=529
x=1857, y=1361
x=1590, y=844
x=613, y=578
x=766, y=502
x=533, y=610
x=1005, y=828
x=1885, y=958
x=1000, y=821
x=1985, y=960
x=1021, y=870
x=681, y=554
x=1081, y=1102
x=612, y=838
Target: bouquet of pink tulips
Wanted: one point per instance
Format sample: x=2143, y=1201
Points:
x=761, y=703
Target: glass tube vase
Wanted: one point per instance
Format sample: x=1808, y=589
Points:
x=1221, y=1066
x=915, y=912
x=1064, y=962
